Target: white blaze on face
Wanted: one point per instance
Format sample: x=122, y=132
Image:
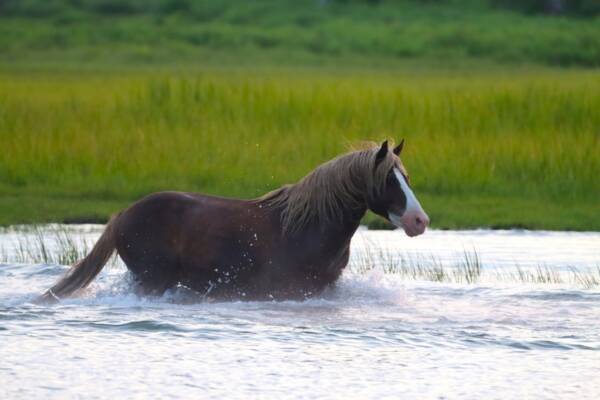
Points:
x=412, y=204
x=414, y=220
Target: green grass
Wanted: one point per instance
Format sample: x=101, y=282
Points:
x=313, y=31
x=484, y=148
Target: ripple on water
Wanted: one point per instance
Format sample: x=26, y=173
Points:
x=374, y=336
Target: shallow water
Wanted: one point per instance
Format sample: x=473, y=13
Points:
x=376, y=335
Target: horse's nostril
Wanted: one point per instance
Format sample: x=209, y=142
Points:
x=419, y=221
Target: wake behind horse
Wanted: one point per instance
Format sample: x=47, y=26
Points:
x=290, y=243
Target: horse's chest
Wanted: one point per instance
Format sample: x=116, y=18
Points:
x=315, y=266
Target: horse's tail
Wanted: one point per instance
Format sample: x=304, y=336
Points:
x=83, y=272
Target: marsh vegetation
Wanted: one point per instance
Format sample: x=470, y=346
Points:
x=58, y=245
x=102, y=102
x=299, y=31
x=483, y=148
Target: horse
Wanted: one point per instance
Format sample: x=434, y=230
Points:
x=290, y=243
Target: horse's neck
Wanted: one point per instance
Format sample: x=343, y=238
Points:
x=331, y=230
x=337, y=233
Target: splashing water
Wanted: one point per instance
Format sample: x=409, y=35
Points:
x=384, y=331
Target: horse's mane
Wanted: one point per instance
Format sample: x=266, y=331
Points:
x=332, y=188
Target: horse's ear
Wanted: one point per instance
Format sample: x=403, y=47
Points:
x=381, y=153
x=398, y=149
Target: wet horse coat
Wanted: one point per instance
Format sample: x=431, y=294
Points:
x=228, y=248
x=289, y=244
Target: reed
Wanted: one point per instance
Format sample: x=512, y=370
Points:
x=43, y=245
x=468, y=270
x=60, y=246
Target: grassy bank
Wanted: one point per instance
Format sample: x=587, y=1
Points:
x=505, y=148
x=158, y=31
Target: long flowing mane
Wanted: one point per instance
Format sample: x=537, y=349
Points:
x=334, y=187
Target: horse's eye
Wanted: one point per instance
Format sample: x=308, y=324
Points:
x=390, y=177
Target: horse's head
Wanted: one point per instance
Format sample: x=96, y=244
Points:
x=394, y=199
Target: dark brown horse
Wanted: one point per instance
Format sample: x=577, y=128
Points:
x=289, y=244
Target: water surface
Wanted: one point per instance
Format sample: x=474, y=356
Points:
x=377, y=334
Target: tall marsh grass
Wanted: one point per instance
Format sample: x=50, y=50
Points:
x=40, y=245
x=528, y=136
x=468, y=270
x=60, y=246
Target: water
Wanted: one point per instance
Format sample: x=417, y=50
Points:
x=377, y=335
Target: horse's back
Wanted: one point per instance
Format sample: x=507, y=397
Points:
x=172, y=237
x=171, y=212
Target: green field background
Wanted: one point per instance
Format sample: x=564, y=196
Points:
x=482, y=149
x=98, y=109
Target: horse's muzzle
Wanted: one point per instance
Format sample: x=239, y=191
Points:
x=414, y=223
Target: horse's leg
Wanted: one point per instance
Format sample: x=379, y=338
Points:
x=154, y=277
x=153, y=262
